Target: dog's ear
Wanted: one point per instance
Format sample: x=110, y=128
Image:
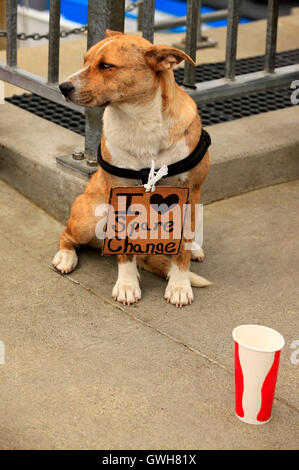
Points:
x=165, y=57
x=110, y=33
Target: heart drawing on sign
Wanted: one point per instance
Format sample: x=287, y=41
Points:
x=163, y=204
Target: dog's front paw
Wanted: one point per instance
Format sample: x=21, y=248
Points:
x=65, y=261
x=179, y=292
x=126, y=291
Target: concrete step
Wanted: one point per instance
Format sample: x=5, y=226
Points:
x=246, y=154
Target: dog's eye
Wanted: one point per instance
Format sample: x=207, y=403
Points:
x=104, y=66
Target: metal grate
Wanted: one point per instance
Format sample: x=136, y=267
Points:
x=206, y=72
x=211, y=113
x=44, y=108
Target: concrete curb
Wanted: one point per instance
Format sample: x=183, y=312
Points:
x=246, y=154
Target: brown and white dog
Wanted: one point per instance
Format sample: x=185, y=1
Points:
x=147, y=116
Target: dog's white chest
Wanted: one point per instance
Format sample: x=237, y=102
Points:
x=136, y=138
x=135, y=131
x=135, y=135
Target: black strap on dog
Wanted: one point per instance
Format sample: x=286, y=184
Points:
x=174, y=169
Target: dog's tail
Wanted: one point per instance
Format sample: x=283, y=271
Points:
x=160, y=265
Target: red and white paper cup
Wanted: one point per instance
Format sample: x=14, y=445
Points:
x=257, y=353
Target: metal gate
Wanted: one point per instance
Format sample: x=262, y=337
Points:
x=103, y=14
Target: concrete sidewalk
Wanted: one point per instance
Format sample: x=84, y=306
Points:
x=84, y=372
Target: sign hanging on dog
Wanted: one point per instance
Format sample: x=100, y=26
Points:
x=141, y=222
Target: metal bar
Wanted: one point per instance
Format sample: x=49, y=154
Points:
x=213, y=90
x=102, y=14
x=191, y=41
x=214, y=15
x=98, y=12
x=181, y=20
x=2, y=23
x=271, y=36
x=54, y=41
x=140, y=17
x=116, y=20
x=199, y=21
x=204, y=92
x=11, y=28
x=233, y=18
x=148, y=20
x=34, y=84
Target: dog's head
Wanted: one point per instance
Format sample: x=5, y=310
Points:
x=120, y=68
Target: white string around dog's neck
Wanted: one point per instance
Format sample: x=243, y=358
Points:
x=154, y=177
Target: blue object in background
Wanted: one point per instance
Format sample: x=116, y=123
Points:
x=76, y=10
x=179, y=8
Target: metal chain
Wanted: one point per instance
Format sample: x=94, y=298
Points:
x=38, y=36
x=65, y=34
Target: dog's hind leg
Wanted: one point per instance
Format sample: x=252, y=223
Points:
x=66, y=258
x=80, y=230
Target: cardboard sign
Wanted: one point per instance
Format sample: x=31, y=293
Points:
x=142, y=222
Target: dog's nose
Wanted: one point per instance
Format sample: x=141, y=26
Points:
x=66, y=88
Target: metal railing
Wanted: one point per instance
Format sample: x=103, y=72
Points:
x=231, y=85
x=103, y=14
